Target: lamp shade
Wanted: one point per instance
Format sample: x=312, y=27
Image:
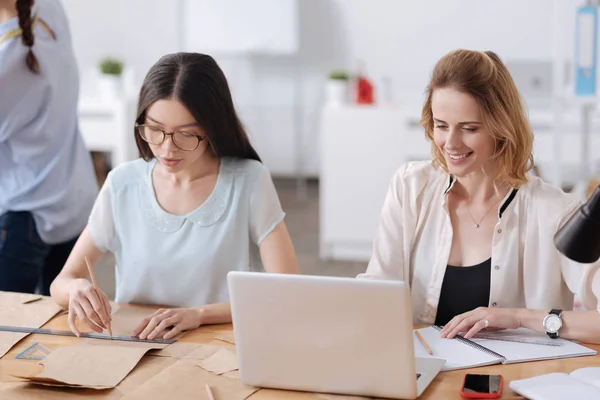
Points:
x=579, y=237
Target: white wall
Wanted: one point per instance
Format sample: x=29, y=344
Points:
x=395, y=38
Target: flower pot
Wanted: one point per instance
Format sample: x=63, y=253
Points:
x=110, y=86
x=336, y=92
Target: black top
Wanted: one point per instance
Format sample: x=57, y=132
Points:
x=464, y=289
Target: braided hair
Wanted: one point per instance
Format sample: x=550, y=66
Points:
x=25, y=23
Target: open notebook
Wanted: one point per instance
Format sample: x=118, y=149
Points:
x=501, y=347
x=583, y=383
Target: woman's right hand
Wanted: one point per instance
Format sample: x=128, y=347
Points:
x=90, y=305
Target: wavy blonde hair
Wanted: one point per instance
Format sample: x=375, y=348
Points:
x=483, y=76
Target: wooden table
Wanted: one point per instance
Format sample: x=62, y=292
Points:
x=445, y=386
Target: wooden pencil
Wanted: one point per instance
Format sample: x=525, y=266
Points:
x=91, y=271
x=424, y=343
x=210, y=393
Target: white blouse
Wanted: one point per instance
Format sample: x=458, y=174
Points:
x=415, y=235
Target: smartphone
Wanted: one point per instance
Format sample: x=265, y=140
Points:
x=482, y=386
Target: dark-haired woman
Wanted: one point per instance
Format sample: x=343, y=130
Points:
x=198, y=204
x=47, y=180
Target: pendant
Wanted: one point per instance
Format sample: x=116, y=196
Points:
x=476, y=226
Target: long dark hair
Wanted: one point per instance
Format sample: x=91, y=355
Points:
x=26, y=25
x=198, y=83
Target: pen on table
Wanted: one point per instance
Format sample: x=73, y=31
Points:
x=424, y=343
x=210, y=393
x=91, y=271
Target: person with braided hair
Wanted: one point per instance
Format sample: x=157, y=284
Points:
x=47, y=180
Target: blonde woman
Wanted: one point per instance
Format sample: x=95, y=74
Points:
x=472, y=231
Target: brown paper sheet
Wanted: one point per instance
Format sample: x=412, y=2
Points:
x=126, y=319
x=144, y=371
x=12, y=298
x=24, y=310
x=232, y=374
x=203, y=352
x=226, y=337
x=90, y=366
x=27, y=391
x=222, y=361
x=175, y=350
x=185, y=380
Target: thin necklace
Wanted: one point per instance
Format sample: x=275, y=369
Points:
x=478, y=224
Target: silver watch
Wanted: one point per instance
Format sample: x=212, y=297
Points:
x=552, y=323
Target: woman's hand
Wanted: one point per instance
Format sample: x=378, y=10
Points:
x=178, y=319
x=482, y=318
x=90, y=305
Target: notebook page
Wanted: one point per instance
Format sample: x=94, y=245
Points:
x=533, y=348
x=588, y=374
x=554, y=386
x=458, y=355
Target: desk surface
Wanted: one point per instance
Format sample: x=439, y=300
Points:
x=445, y=385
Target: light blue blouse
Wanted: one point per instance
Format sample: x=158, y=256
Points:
x=45, y=167
x=183, y=260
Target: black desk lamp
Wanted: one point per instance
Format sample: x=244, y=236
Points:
x=579, y=237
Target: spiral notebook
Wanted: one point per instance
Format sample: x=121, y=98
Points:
x=502, y=347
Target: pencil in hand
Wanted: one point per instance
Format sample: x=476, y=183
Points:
x=93, y=278
x=424, y=343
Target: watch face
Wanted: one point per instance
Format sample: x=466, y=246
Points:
x=553, y=323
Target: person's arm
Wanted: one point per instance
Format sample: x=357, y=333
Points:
x=584, y=326
x=278, y=256
x=72, y=289
x=577, y=325
x=387, y=260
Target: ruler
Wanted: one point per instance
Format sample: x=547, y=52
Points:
x=91, y=335
x=519, y=340
x=36, y=351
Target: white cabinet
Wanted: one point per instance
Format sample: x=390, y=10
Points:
x=107, y=126
x=361, y=148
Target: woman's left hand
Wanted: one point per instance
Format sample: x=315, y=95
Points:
x=178, y=319
x=482, y=318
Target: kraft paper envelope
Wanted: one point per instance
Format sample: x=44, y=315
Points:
x=185, y=380
x=24, y=310
x=90, y=366
x=222, y=361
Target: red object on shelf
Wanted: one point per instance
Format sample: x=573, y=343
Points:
x=364, y=91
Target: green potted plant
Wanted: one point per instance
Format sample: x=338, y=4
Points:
x=110, y=79
x=337, y=88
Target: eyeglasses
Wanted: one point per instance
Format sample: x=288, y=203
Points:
x=182, y=140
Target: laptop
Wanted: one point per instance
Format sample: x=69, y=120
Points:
x=327, y=334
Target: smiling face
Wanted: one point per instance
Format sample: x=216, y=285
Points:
x=171, y=116
x=459, y=133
